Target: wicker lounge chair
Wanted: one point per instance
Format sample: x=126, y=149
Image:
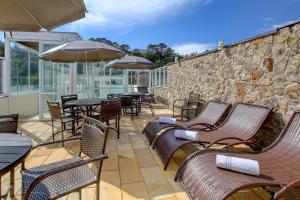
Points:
x=242, y=124
x=208, y=118
x=58, y=179
x=279, y=167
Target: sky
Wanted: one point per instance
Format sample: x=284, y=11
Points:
x=185, y=25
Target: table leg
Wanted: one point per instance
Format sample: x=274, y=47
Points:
x=12, y=183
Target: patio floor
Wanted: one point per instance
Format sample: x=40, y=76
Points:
x=132, y=171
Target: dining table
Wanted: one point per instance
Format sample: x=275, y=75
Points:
x=14, y=148
x=87, y=105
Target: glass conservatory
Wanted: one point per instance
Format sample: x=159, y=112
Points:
x=28, y=82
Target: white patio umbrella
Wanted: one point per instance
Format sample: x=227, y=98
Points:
x=131, y=62
x=33, y=15
x=82, y=51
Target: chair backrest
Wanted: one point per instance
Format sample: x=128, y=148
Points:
x=102, y=126
x=194, y=97
x=143, y=89
x=66, y=98
x=93, y=140
x=126, y=101
x=9, y=123
x=108, y=110
x=54, y=110
x=211, y=113
x=245, y=120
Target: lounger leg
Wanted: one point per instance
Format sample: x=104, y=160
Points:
x=80, y=194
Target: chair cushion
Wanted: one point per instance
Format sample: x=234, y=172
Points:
x=58, y=184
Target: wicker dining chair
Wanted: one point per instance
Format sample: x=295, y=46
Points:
x=9, y=123
x=208, y=118
x=110, y=111
x=146, y=101
x=129, y=105
x=242, y=124
x=58, y=179
x=189, y=107
x=71, y=111
x=279, y=166
x=57, y=117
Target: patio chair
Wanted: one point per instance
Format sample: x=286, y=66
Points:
x=242, y=124
x=189, y=107
x=57, y=117
x=71, y=111
x=208, y=118
x=146, y=101
x=9, y=123
x=279, y=167
x=58, y=179
x=129, y=105
x=110, y=111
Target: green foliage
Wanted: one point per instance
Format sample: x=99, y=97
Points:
x=160, y=54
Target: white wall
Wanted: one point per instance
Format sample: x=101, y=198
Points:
x=25, y=105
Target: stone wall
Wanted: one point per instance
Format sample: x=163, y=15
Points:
x=262, y=70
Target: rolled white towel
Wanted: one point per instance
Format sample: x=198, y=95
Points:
x=186, y=134
x=242, y=165
x=167, y=120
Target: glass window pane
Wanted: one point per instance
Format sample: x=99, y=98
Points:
x=19, y=68
x=166, y=76
x=144, y=78
x=157, y=77
x=34, y=72
x=161, y=70
x=1, y=80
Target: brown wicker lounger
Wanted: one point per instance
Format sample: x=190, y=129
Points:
x=242, y=124
x=279, y=166
x=208, y=118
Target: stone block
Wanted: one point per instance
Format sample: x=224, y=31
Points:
x=268, y=63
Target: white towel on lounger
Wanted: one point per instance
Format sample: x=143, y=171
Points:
x=186, y=134
x=242, y=165
x=167, y=120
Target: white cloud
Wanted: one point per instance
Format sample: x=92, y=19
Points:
x=274, y=26
x=127, y=13
x=186, y=49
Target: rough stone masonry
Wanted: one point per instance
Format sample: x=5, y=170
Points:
x=261, y=70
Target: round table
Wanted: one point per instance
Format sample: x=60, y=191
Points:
x=14, y=148
x=87, y=103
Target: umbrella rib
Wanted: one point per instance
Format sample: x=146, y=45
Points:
x=29, y=13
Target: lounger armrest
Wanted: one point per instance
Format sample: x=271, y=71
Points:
x=58, y=141
x=248, y=143
x=222, y=139
x=286, y=189
x=60, y=170
x=209, y=126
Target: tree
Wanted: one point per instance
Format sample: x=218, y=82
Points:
x=160, y=54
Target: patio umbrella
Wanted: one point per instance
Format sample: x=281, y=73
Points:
x=131, y=62
x=82, y=51
x=33, y=15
